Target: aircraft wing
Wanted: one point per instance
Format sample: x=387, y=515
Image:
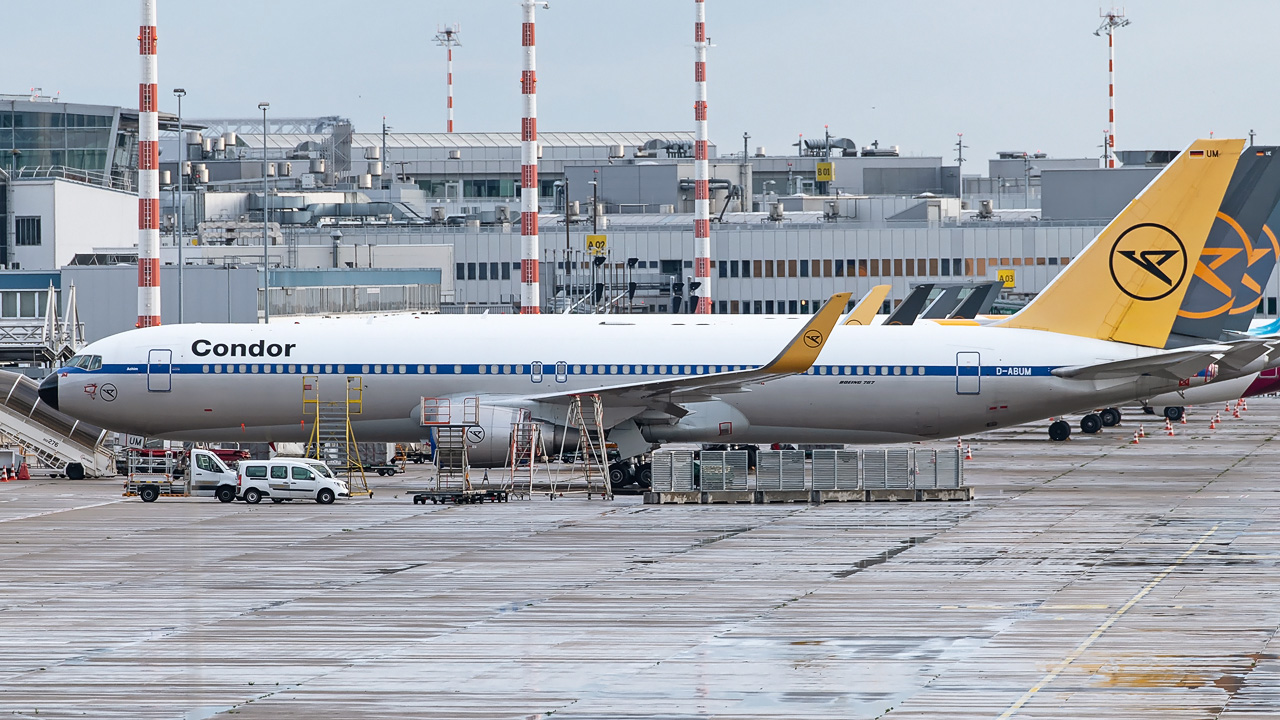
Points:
x=797, y=357
x=1175, y=365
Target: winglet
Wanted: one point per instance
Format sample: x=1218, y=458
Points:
x=865, y=311
x=803, y=350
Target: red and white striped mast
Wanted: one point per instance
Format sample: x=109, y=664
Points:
x=148, y=173
x=530, y=294
x=701, y=168
x=1111, y=21
x=448, y=38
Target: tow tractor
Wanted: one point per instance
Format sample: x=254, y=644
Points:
x=176, y=473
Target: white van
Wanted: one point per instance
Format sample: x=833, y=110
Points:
x=284, y=479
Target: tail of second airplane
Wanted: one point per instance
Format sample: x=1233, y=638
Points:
x=1127, y=285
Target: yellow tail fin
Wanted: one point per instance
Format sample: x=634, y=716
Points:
x=865, y=311
x=1128, y=284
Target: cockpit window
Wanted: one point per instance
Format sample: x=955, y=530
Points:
x=85, y=362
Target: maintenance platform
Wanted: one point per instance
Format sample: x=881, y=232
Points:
x=1090, y=579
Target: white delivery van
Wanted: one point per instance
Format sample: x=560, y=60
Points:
x=284, y=479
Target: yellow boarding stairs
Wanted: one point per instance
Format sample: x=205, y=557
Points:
x=332, y=441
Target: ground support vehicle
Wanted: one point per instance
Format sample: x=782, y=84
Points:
x=385, y=470
x=178, y=474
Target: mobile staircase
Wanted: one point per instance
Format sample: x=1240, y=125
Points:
x=58, y=441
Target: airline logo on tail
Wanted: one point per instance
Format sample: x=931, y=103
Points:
x=1154, y=250
x=1146, y=252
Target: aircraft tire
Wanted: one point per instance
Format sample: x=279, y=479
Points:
x=618, y=475
x=253, y=496
x=1110, y=417
x=148, y=493
x=1174, y=413
x=75, y=471
x=644, y=476
x=1090, y=424
x=1059, y=430
x=325, y=496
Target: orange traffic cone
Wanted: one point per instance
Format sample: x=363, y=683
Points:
x=958, y=444
x=1226, y=408
x=1213, y=423
x=4, y=477
x=1168, y=430
x=1142, y=431
x=1244, y=405
x=1184, y=418
x=1236, y=413
x=1135, y=438
x=968, y=452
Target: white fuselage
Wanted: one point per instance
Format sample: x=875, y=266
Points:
x=870, y=384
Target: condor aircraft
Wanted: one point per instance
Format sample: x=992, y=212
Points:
x=1094, y=337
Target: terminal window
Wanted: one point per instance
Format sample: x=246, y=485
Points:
x=27, y=231
x=23, y=303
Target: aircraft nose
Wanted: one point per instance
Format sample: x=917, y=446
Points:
x=49, y=391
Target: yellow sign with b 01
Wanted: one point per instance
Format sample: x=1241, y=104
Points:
x=826, y=172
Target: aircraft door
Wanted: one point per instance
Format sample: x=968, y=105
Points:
x=535, y=372
x=160, y=370
x=968, y=373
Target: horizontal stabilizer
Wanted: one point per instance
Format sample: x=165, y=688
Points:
x=1243, y=354
x=1175, y=365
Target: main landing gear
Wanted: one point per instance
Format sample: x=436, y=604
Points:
x=1173, y=413
x=1090, y=424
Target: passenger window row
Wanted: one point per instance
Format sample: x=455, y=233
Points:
x=866, y=370
x=533, y=369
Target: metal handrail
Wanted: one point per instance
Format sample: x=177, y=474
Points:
x=116, y=180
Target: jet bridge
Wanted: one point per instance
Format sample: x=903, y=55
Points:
x=59, y=441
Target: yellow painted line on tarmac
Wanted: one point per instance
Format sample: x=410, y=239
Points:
x=1106, y=625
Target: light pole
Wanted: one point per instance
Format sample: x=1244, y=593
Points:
x=266, y=215
x=385, y=128
x=182, y=144
x=960, y=146
x=595, y=206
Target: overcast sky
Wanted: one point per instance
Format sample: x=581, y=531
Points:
x=1009, y=74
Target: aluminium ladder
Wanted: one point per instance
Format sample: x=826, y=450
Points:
x=524, y=454
x=591, y=456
